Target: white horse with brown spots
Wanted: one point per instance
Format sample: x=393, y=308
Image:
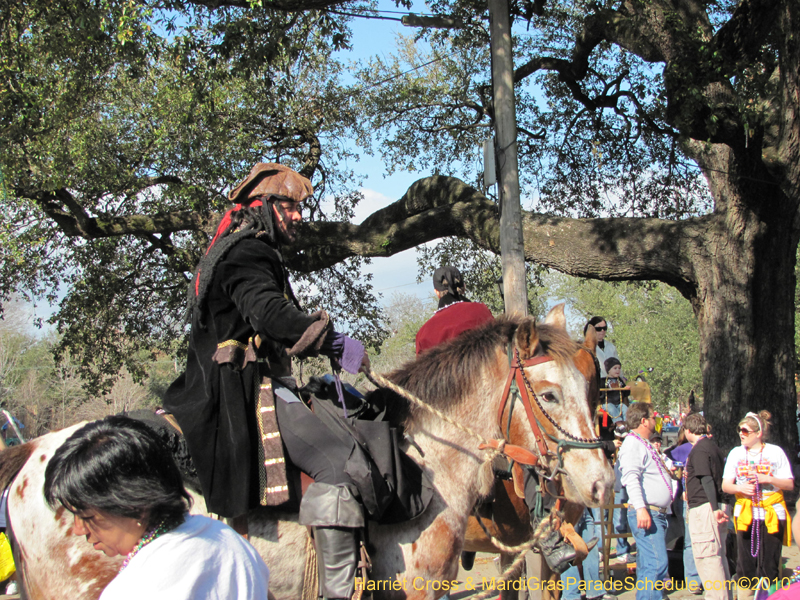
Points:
x=464, y=379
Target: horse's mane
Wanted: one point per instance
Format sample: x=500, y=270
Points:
x=12, y=460
x=448, y=373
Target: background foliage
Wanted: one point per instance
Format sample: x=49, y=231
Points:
x=651, y=325
x=47, y=396
x=121, y=116
x=658, y=141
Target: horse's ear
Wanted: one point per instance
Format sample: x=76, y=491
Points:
x=556, y=317
x=591, y=339
x=527, y=338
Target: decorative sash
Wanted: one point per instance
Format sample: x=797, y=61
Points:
x=273, y=487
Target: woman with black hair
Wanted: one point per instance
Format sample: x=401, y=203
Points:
x=127, y=498
x=604, y=349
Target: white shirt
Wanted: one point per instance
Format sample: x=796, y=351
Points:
x=202, y=559
x=645, y=479
x=607, y=351
x=771, y=460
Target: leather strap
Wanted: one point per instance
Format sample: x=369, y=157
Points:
x=515, y=376
x=576, y=541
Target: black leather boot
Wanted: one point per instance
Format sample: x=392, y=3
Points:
x=558, y=553
x=337, y=553
x=468, y=560
x=336, y=515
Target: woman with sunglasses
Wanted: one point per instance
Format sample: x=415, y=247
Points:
x=604, y=349
x=758, y=473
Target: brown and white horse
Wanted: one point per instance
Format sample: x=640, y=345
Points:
x=507, y=518
x=463, y=378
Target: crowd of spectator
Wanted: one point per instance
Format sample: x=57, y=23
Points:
x=712, y=495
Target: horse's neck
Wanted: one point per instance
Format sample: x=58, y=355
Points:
x=451, y=458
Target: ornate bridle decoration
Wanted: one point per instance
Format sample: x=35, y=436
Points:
x=592, y=442
x=518, y=386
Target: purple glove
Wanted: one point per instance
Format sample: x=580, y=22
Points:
x=352, y=355
x=344, y=350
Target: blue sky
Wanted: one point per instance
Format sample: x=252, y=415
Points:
x=398, y=273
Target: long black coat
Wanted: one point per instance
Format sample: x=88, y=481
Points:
x=214, y=399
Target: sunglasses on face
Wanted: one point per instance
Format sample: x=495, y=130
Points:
x=286, y=201
x=601, y=328
x=745, y=431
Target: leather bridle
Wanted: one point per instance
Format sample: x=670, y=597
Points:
x=518, y=389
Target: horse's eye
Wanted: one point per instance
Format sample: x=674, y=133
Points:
x=549, y=397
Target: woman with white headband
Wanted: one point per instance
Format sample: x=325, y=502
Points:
x=758, y=473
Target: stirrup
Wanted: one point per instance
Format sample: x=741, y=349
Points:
x=363, y=569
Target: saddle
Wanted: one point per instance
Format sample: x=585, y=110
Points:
x=392, y=487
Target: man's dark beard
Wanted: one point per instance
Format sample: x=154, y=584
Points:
x=283, y=225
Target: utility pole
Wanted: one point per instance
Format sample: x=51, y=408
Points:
x=505, y=118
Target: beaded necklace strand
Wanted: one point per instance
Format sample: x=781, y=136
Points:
x=654, y=455
x=755, y=540
x=152, y=534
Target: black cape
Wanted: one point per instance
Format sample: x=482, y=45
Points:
x=214, y=402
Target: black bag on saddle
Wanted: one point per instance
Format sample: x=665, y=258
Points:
x=393, y=487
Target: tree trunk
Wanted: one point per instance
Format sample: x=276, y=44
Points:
x=744, y=302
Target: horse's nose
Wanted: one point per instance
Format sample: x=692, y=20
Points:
x=601, y=492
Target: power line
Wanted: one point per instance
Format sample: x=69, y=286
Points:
x=411, y=19
x=375, y=16
x=403, y=12
x=388, y=79
x=397, y=286
x=349, y=14
x=432, y=61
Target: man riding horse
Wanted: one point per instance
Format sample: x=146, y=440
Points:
x=237, y=403
x=455, y=313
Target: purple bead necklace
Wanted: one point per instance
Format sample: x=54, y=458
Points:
x=654, y=455
x=755, y=540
